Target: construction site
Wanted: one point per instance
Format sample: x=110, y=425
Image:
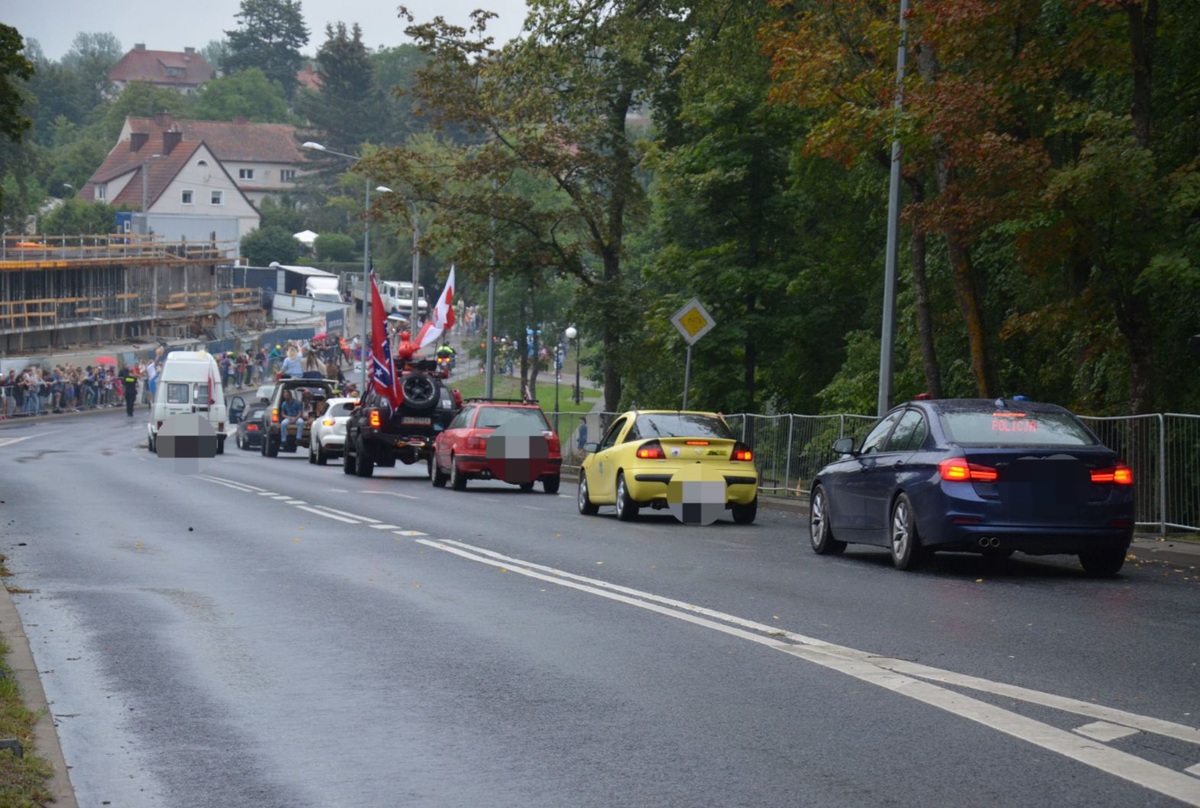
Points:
x=64, y=293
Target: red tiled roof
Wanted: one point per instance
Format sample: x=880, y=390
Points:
x=229, y=142
x=160, y=170
x=188, y=69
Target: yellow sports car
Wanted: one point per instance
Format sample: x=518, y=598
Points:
x=645, y=454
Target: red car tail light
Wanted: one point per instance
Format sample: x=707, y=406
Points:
x=958, y=470
x=251, y=427
x=476, y=443
x=1119, y=474
x=742, y=453
x=652, y=451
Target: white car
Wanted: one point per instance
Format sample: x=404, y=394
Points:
x=328, y=436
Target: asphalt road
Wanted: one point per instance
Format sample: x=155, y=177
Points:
x=264, y=632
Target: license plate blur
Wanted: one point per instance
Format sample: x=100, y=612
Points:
x=416, y=421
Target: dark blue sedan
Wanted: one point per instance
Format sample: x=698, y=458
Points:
x=980, y=476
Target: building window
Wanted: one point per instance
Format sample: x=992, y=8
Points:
x=201, y=162
x=186, y=197
x=287, y=174
x=245, y=173
x=218, y=198
x=100, y=190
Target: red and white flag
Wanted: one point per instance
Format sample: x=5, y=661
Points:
x=383, y=368
x=443, y=315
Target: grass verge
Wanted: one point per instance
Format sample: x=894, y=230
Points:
x=24, y=781
x=473, y=386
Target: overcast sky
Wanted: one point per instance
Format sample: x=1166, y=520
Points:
x=172, y=26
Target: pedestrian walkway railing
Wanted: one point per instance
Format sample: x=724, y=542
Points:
x=1162, y=449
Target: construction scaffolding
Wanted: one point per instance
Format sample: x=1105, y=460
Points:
x=58, y=292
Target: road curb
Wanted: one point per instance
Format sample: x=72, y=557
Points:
x=29, y=682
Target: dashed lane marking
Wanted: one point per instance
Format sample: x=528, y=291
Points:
x=328, y=515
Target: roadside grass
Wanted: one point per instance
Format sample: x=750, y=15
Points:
x=24, y=781
x=473, y=386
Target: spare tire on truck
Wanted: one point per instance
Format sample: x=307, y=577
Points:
x=420, y=391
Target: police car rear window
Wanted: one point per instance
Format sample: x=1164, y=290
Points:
x=1015, y=428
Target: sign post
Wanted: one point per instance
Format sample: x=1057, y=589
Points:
x=693, y=321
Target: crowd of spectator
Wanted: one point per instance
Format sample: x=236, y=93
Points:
x=66, y=387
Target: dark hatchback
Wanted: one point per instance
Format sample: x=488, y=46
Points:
x=982, y=476
x=249, y=429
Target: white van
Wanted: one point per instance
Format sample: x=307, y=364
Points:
x=190, y=382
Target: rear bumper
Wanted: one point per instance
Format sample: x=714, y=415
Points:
x=740, y=488
x=476, y=467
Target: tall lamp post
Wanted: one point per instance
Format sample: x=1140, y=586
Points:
x=366, y=271
x=573, y=334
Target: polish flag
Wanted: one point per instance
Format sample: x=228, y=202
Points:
x=443, y=315
x=383, y=368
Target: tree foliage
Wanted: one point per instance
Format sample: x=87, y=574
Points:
x=348, y=109
x=246, y=94
x=268, y=244
x=269, y=36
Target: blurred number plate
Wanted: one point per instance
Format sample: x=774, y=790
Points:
x=416, y=421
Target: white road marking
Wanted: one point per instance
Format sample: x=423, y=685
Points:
x=295, y=502
x=1193, y=770
x=410, y=533
x=366, y=519
x=391, y=494
x=1104, y=731
x=382, y=526
x=227, y=483
x=267, y=494
x=897, y=676
x=281, y=497
x=328, y=515
x=236, y=483
x=10, y=441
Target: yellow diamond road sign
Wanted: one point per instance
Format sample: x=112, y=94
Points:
x=693, y=321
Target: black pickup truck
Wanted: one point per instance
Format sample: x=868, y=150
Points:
x=378, y=435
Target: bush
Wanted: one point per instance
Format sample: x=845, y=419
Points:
x=269, y=244
x=334, y=247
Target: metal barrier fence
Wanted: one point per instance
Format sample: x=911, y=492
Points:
x=1164, y=452
x=1162, y=449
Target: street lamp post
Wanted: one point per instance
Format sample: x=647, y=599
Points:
x=573, y=334
x=366, y=271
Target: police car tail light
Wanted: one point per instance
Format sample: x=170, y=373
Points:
x=1119, y=474
x=652, y=451
x=958, y=470
x=742, y=453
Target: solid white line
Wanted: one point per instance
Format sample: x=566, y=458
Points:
x=226, y=483
x=247, y=486
x=392, y=494
x=410, y=533
x=10, y=441
x=866, y=668
x=351, y=515
x=328, y=515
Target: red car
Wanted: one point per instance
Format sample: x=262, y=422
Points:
x=497, y=439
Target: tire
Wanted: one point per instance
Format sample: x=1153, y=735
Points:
x=241, y=444
x=152, y=444
x=457, y=481
x=903, y=539
x=436, y=475
x=745, y=514
x=586, y=506
x=627, y=509
x=527, y=487
x=262, y=445
x=347, y=460
x=1103, y=563
x=820, y=532
x=550, y=484
x=312, y=457
x=420, y=391
x=270, y=446
x=364, y=466
x=322, y=455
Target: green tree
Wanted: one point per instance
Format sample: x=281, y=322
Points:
x=140, y=99
x=553, y=106
x=269, y=36
x=348, y=110
x=334, y=247
x=267, y=244
x=15, y=69
x=245, y=94
x=75, y=217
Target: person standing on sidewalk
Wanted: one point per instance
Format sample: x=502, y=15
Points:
x=130, y=381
